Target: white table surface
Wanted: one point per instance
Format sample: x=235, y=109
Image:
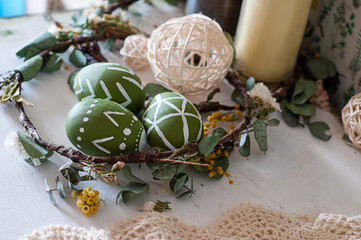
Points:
x=299, y=174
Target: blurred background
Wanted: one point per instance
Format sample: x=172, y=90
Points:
x=13, y=8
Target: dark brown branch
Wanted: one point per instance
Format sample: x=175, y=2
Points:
x=92, y=52
x=212, y=106
x=119, y=4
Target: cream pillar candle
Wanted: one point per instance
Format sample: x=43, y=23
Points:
x=269, y=36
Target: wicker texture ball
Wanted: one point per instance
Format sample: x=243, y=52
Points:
x=135, y=50
x=351, y=118
x=189, y=54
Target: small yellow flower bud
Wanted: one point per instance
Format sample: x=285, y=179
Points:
x=96, y=199
x=90, y=201
x=239, y=113
x=219, y=114
x=211, y=162
x=85, y=208
x=206, y=124
x=227, y=174
x=80, y=203
x=205, y=133
x=96, y=192
x=209, y=118
x=214, y=115
x=164, y=189
x=88, y=214
x=93, y=209
x=74, y=194
x=214, y=173
x=219, y=151
x=224, y=118
x=237, y=105
x=210, y=168
x=210, y=174
x=226, y=154
x=214, y=124
x=84, y=198
x=97, y=204
x=205, y=129
x=317, y=55
x=91, y=193
x=232, y=126
x=229, y=117
x=219, y=170
x=231, y=182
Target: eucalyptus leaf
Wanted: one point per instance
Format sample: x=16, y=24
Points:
x=318, y=129
x=222, y=162
x=237, y=97
x=71, y=79
x=245, y=145
x=47, y=189
x=78, y=58
x=166, y=173
x=290, y=118
x=306, y=109
x=32, y=148
x=172, y=2
x=318, y=68
x=347, y=140
x=108, y=44
x=250, y=83
x=332, y=71
x=127, y=174
x=60, y=188
x=304, y=89
x=274, y=122
x=178, y=182
x=207, y=144
x=37, y=45
x=152, y=89
x=260, y=134
x=79, y=19
x=219, y=132
x=52, y=63
x=131, y=190
x=30, y=68
x=153, y=166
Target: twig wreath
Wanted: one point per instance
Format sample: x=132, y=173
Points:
x=209, y=155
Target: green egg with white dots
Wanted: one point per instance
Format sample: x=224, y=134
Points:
x=110, y=81
x=100, y=127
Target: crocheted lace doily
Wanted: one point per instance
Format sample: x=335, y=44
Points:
x=244, y=222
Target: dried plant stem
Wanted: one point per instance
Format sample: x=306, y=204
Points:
x=183, y=162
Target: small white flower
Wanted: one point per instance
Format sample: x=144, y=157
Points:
x=12, y=142
x=149, y=206
x=261, y=91
x=54, y=29
x=94, y=19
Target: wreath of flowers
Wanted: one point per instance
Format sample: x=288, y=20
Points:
x=253, y=101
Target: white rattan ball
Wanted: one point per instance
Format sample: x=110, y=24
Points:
x=351, y=118
x=189, y=54
x=134, y=51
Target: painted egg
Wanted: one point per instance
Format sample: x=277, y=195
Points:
x=171, y=121
x=110, y=81
x=100, y=127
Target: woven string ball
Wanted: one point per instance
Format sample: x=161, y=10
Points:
x=351, y=118
x=135, y=50
x=189, y=54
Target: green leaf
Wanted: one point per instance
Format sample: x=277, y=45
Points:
x=244, y=145
x=318, y=67
x=166, y=173
x=331, y=67
x=77, y=58
x=52, y=63
x=32, y=148
x=290, y=118
x=237, y=97
x=303, y=91
x=207, y=144
x=178, y=182
x=273, y=122
x=47, y=189
x=60, y=188
x=172, y=2
x=347, y=140
x=79, y=19
x=152, y=89
x=108, y=44
x=71, y=79
x=318, y=129
x=219, y=132
x=127, y=174
x=250, y=83
x=211, y=94
x=230, y=40
x=260, y=134
x=222, y=162
x=306, y=109
x=153, y=166
x=30, y=68
x=37, y=45
x=132, y=189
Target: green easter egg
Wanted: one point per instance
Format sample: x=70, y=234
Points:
x=110, y=81
x=171, y=121
x=100, y=127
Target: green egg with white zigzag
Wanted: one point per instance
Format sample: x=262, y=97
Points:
x=110, y=81
x=100, y=127
x=171, y=121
